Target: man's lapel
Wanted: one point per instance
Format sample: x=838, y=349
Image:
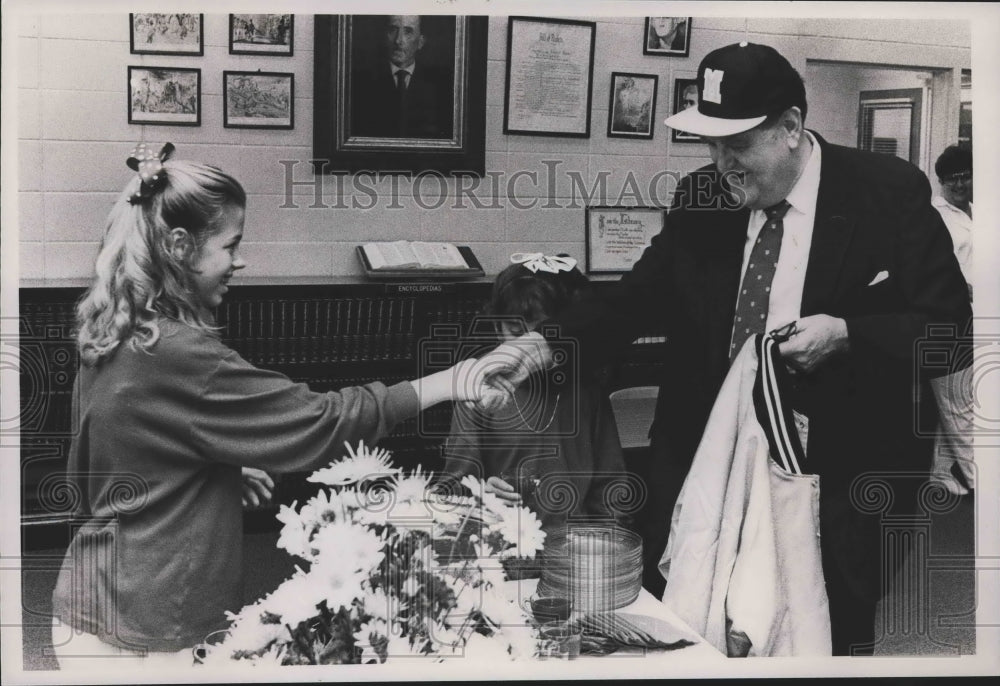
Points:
x=832, y=232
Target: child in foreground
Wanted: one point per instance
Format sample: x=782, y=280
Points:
x=164, y=406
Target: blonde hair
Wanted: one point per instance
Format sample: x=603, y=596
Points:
x=138, y=277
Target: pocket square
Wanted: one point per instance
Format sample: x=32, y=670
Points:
x=880, y=277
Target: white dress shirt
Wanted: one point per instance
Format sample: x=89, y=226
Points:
x=960, y=227
x=785, y=302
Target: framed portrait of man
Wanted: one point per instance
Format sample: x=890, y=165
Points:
x=667, y=36
x=397, y=93
x=685, y=96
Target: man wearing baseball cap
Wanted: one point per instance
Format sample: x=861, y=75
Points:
x=783, y=228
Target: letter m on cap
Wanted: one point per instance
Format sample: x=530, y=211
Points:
x=713, y=85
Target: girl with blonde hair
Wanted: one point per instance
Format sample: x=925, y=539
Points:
x=167, y=415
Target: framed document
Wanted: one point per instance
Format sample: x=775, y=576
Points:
x=616, y=236
x=550, y=67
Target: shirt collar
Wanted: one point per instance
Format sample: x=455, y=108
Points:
x=939, y=201
x=409, y=70
x=805, y=192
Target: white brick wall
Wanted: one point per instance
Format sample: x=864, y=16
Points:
x=74, y=138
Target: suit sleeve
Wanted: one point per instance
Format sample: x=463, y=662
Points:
x=605, y=323
x=258, y=418
x=929, y=280
x=609, y=461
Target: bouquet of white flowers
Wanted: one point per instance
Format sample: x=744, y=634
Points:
x=394, y=567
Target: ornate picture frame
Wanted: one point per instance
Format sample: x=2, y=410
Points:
x=363, y=122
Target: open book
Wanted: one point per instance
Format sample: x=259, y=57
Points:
x=413, y=255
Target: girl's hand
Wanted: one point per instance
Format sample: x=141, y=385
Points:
x=503, y=490
x=257, y=486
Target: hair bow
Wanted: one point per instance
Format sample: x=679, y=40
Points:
x=536, y=261
x=149, y=164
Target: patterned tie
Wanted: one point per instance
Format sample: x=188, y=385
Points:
x=752, y=303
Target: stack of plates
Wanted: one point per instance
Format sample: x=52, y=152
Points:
x=598, y=567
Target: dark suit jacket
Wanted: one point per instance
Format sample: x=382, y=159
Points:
x=377, y=111
x=873, y=214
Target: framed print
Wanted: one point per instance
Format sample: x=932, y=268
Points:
x=669, y=36
x=258, y=100
x=550, y=68
x=164, y=95
x=616, y=236
x=166, y=34
x=632, y=105
x=400, y=94
x=261, y=34
x=685, y=96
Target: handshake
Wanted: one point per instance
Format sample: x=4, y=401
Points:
x=490, y=381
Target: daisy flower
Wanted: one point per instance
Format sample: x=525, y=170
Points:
x=360, y=466
x=352, y=547
x=294, y=600
x=412, y=487
x=294, y=535
x=520, y=526
x=376, y=604
x=368, y=636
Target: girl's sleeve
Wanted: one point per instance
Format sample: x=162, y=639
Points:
x=258, y=418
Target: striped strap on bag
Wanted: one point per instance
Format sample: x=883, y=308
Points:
x=774, y=413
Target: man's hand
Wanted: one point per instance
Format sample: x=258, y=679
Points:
x=816, y=338
x=502, y=370
x=257, y=486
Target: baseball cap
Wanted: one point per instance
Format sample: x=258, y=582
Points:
x=739, y=85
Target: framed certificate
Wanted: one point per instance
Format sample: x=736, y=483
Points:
x=616, y=236
x=550, y=67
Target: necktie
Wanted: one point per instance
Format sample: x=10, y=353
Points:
x=401, y=81
x=402, y=114
x=755, y=291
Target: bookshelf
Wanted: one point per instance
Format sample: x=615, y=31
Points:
x=327, y=334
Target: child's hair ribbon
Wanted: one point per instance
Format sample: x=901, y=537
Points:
x=536, y=262
x=149, y=163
